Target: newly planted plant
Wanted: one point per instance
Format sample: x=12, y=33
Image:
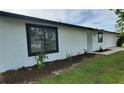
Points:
x=100, y=49
x=68, y=57
x=40, y=60
x=85, y=51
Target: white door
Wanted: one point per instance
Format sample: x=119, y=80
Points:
x=89, y=41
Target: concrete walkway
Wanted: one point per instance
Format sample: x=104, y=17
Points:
x=113, y=50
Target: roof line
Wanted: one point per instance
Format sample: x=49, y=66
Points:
x=24, y=17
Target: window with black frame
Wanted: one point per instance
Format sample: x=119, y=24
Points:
x=41, y=38
x=100, y=37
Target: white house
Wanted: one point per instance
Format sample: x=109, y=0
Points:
x=22, y=37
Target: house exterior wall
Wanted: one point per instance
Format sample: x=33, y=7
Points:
x=13, y=43
x=109, y=40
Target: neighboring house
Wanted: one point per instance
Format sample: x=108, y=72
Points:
x=22, y=37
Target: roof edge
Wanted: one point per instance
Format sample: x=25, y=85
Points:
x=24, y=17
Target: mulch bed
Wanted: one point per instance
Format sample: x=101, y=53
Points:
x=104, y=50
x=27, y=74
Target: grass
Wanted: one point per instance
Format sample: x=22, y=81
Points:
x=103, y=69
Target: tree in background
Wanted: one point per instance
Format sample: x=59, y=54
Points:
x=120, y=21
x=120, y=25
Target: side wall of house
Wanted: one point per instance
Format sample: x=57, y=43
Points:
x=109, y=40
x=13, y=43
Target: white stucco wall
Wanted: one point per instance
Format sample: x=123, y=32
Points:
x=13, y=43
x=109, y=40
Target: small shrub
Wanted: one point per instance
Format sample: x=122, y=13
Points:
x=78, y=53
x=120, y=40
x=68, y=57
x=85, y=51
x=100, y=48
x=40, y=60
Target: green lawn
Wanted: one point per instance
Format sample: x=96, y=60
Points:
x=103, y=69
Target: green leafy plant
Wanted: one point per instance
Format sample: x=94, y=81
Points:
x=120, y=40
x=78, y=53
x=120, y=20
x=68, y=57
x=85, y=51
x=40, y=60
x=100, y=49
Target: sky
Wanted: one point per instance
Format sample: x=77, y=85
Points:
x=95, y=18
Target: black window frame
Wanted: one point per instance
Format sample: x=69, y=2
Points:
x=30, y=53
x=100, y=40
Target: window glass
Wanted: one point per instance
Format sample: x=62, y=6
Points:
x=50, y=37
x=37, y=39
x=41, y=38
x=100, y=37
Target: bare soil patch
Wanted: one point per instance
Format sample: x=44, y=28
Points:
x=30, y=74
